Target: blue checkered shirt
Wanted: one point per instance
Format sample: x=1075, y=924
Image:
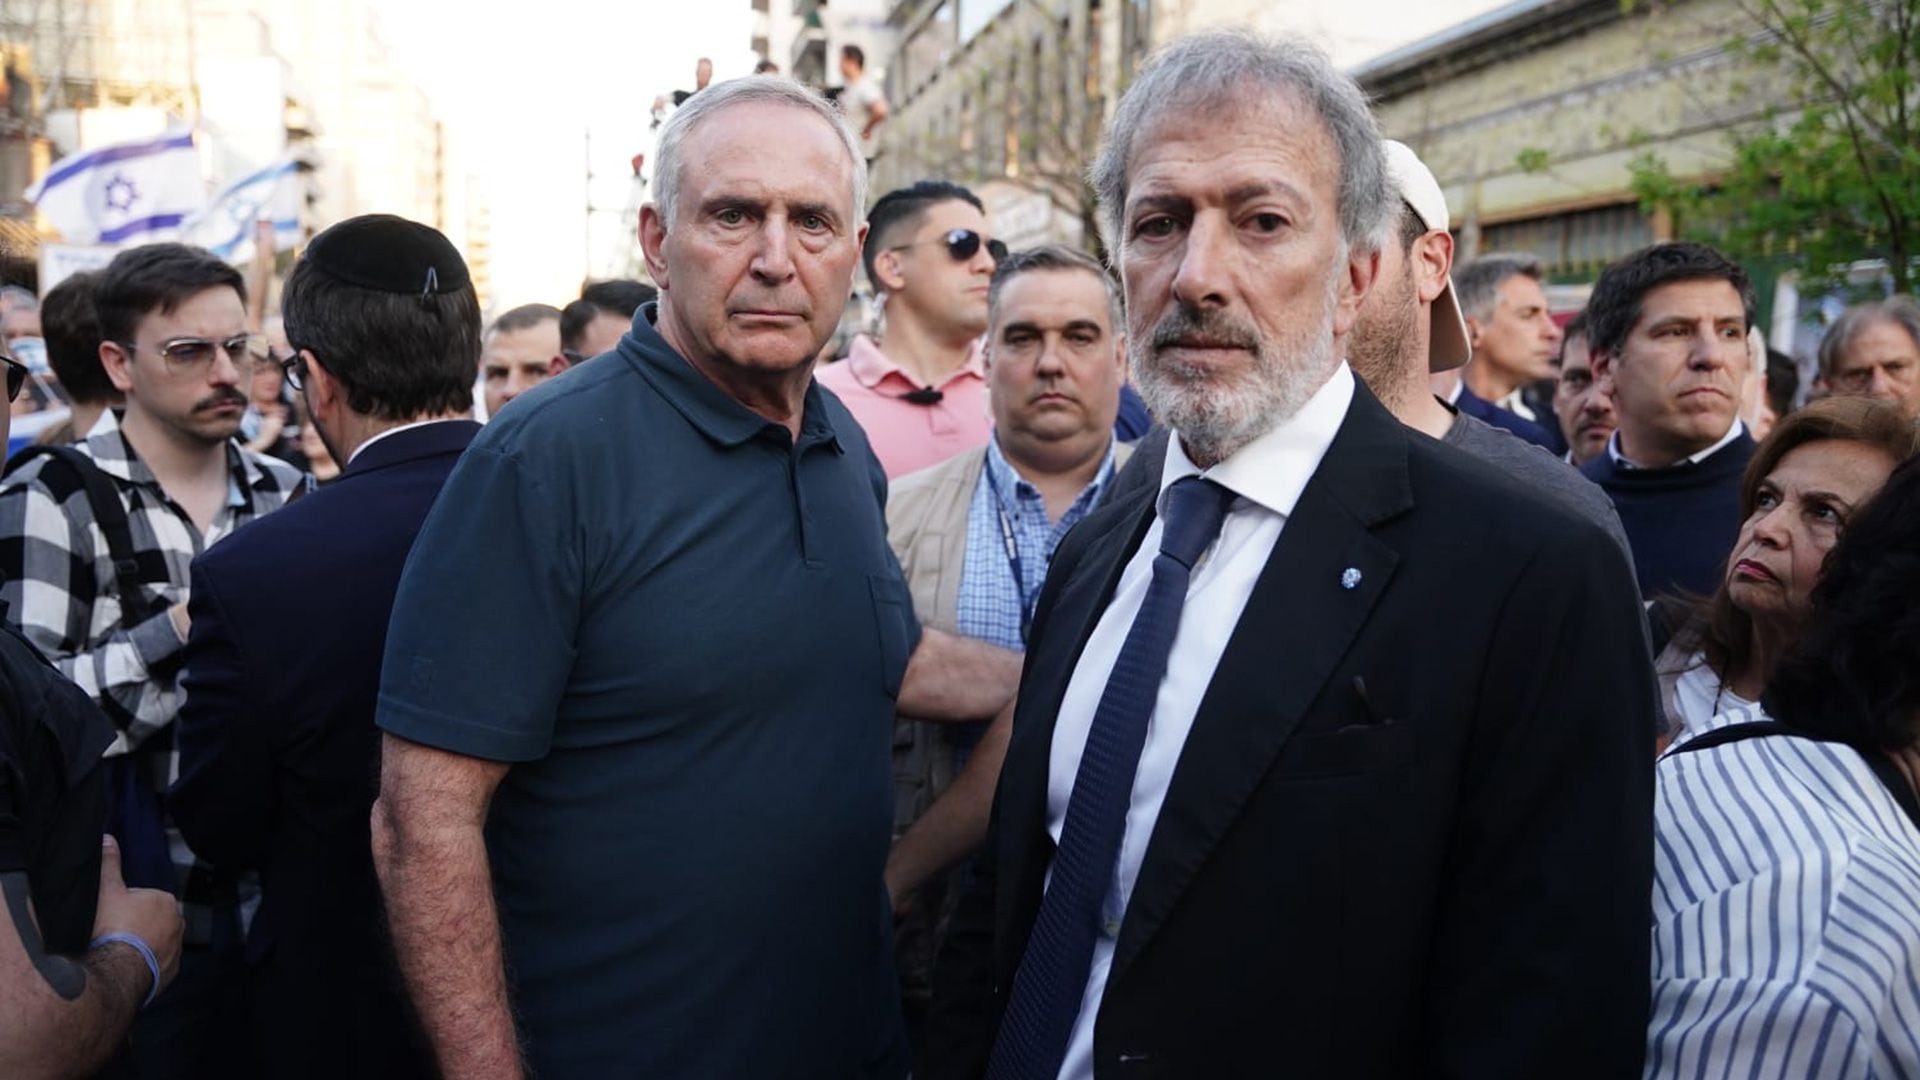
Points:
x=988, y=606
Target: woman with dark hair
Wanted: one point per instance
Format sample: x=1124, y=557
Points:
x=1786, y=937
x=1818, y=464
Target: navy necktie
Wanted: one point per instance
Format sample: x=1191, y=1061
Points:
x=1052, y=976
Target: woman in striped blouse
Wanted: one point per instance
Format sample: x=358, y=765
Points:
x=1786, y=939
x=1720, y=657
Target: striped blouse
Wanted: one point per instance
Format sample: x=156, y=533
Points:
x=1786, y=899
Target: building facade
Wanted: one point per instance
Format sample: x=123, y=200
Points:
x=1011, y=95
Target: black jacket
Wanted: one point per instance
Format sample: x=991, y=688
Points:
x=279, y=756
x=1410, y=832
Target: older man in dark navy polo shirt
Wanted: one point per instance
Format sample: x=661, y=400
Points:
x=683, y=773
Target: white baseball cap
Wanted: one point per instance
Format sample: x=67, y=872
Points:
x=1448, y=347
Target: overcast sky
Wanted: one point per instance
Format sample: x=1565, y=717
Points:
x=519, y=96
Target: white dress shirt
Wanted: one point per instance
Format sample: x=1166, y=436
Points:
x=1621, y=460
x=395, y=430
x=1268, y=476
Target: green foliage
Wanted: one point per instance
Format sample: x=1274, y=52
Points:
x=1533, y=159
x=1837, y=181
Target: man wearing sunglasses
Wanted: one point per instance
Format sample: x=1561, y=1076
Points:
x=167, y=481
x=918, y=388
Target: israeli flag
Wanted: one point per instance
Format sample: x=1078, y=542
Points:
x=226, y=226
x=127, y=192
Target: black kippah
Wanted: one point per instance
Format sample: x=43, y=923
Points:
x=389, y=254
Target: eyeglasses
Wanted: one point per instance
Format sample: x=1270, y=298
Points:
x=192, y=355
x=293, y=368
x=962, y=244
x=16, y=377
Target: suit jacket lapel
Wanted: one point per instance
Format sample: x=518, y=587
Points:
x=1299, y=621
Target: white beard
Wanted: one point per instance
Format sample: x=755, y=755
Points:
x=1216, y=414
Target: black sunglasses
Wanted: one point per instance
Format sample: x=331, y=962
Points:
x=16, y=377
x=962, y=244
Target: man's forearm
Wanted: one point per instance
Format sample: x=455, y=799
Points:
x=954, y=826
x=446, y=935
x=956, y=678
x=70, y=1015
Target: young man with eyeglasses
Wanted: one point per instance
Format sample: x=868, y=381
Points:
x=918, y=388
x=174, y=341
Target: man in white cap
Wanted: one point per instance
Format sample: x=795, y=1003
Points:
x=1409, y=327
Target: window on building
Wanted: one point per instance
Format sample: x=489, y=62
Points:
x=926, y=50
x=1037, y=122
x=1136, y=35
x=1575, y=245
x=1012, y=123
x=1094, y=26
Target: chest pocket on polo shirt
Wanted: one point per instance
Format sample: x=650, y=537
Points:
x=891, y=613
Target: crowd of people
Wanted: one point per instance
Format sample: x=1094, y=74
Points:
x=1286, y=651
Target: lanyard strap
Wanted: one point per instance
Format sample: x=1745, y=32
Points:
x=1011, y=543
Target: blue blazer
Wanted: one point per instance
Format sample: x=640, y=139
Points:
x=1486, y=411
x=279, y=756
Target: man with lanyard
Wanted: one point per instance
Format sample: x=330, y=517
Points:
x=974, y=536
x=94, y=554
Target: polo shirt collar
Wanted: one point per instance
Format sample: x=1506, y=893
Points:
x=870, y=366
x=707, y=407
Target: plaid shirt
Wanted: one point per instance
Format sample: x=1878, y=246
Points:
x=989, y=602
x=57, y=577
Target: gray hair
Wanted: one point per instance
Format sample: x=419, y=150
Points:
x=769, y=89
x=1476, y=282
x=1218, y=68
x=1901, y=311
x=1055, y=257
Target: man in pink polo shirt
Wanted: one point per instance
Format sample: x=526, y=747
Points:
x=920, y=391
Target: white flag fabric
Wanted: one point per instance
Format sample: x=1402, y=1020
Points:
x=226, y=226
x=129, y=192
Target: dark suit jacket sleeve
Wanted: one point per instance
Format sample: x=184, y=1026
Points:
x=965, y=1016
x=223, y=799
x=1541, y=950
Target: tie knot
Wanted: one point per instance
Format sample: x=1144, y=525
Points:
x=1195, y=507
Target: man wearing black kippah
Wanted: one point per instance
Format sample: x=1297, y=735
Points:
x=279, y=756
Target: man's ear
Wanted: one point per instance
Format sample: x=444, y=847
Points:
x=114, y=358
x=1473, y=331
x=888, y=266
x=1602, y=365
x=1433, y=260
x=653, y=239
x=322, y=389
x=1363, y=269
x=556, y=364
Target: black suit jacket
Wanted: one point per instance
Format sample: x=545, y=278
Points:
x=279, y=756
x=1410, y=832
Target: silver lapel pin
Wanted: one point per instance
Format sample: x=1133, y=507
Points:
x=1350, y=578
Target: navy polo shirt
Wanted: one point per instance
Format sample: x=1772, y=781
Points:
x=685, y=630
